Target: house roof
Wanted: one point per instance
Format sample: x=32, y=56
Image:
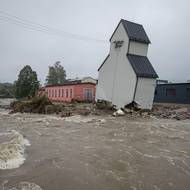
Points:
x=134, y=31
x=80, y=79
x=142, y=66
x=70, y=83
x=167, y=84
x=103, y=62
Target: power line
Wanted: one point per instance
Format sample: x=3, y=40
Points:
x=46, y=29
x=12, y=19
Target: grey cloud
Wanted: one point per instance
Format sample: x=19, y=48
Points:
x=166, y=22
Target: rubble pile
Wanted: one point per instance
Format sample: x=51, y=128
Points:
x=171, y=112
x=43, y=106
x=105, y=105
x=119, y=112
x=161, y=111
x=76, y=109
x=35, y=105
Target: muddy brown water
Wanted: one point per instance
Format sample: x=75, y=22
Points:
x=95, y=152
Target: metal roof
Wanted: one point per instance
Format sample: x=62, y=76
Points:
x=167, y=84
x=135, y=31
x=142, y=66
x=70, y=83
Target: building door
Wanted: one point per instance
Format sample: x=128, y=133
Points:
x=88, y=94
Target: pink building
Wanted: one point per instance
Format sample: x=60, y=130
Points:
x=72, y=90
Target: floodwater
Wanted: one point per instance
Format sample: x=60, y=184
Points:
x=47, y=152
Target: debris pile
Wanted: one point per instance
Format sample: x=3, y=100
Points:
x=171, y=112
x=119, y=112
x=35, y=105
x=161, y=111
x=105, y=105
x=43, y=106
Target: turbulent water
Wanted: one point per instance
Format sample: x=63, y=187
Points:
x=12, y=149
x=22, y=186
x=93, y=152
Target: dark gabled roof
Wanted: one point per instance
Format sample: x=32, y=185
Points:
x=142, y=66
x=103, y=62
x=134, y=31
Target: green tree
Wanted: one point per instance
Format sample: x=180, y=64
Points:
x=52, y=76
x=6, y=90
x=27, y=83
x=56, y=74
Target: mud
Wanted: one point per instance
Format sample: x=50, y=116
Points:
x=98, y=152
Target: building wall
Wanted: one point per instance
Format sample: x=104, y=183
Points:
x=67, y=93
x=59, y=93
x=119, y=35
x=145, y=92
x=116, y=81
x=180, y=93
x=124, y=82
x=79, y=91
x=105, y=81
x=138, y=48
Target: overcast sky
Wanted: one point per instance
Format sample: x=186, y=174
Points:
x=167, y=23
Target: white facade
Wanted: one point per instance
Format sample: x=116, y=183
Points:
x=145, y=92
x=138, y=48
x=116, y=77
x=117, y=81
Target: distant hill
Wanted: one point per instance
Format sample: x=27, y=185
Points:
x=6, y=90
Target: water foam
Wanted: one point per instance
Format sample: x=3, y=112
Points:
x=12, y=150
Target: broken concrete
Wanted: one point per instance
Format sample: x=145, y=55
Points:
x=119, y=112
x=171, y=111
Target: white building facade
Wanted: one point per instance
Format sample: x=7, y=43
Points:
x=126, y=75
